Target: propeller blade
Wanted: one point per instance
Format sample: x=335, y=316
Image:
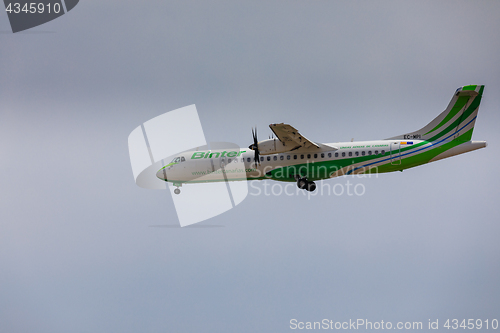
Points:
x=255, y=146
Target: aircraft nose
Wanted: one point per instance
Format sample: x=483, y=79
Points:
x=162, y=174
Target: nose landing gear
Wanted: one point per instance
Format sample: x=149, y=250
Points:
x=177, y=190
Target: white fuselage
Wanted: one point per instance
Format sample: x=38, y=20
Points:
x=220, y=165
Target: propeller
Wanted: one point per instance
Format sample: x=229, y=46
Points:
x=255, y=146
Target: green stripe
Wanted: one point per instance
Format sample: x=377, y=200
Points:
x=168, y=165
x=462, y=100
x=472, y=87
x=339, y=164
x=424, y=157
x=313, y=171
x=211, y=180
x=472, y=107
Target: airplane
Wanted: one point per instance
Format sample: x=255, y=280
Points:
x=291, y=157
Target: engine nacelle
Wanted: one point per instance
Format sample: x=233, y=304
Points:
x=272, y=146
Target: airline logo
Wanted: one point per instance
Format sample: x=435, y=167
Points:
x=209, y=154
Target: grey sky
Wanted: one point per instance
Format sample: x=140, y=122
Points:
x=82, y=248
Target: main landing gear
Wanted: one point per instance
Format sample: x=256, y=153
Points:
x=305, y=184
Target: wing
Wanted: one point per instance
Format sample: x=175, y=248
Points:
x=291, y=138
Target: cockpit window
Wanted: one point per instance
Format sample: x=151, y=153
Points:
x=176, y=160
x=182, y=159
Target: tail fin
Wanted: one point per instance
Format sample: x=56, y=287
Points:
x=454, y=123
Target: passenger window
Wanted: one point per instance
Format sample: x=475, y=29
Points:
x=262, y=159
x=287, y=157
x=336, y=154
x=350, y=153
x=356, y=153
x=363, y=153
x=294, y=157
x=343, y=154
x=382, y=152
x=308, y=155
x=315, y=155
x=248, y=159
x=329, y=154
x=269, y=158
x=376, y=152
x=275, y=158
x=369, y=152
x=301, y=157
x=282, y=157
x=322, y=155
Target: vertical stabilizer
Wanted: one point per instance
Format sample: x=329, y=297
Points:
x=454, y=123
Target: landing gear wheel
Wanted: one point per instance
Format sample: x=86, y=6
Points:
x=311, y=186
x=177, y=191
x=305, y=184
x=302, y=183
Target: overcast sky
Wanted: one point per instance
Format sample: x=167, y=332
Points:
x=83, y=249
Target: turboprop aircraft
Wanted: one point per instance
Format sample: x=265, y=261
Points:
x=291, y=157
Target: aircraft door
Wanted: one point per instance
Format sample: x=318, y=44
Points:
x=395, y=153
x=223, y=163
x=212, y=165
